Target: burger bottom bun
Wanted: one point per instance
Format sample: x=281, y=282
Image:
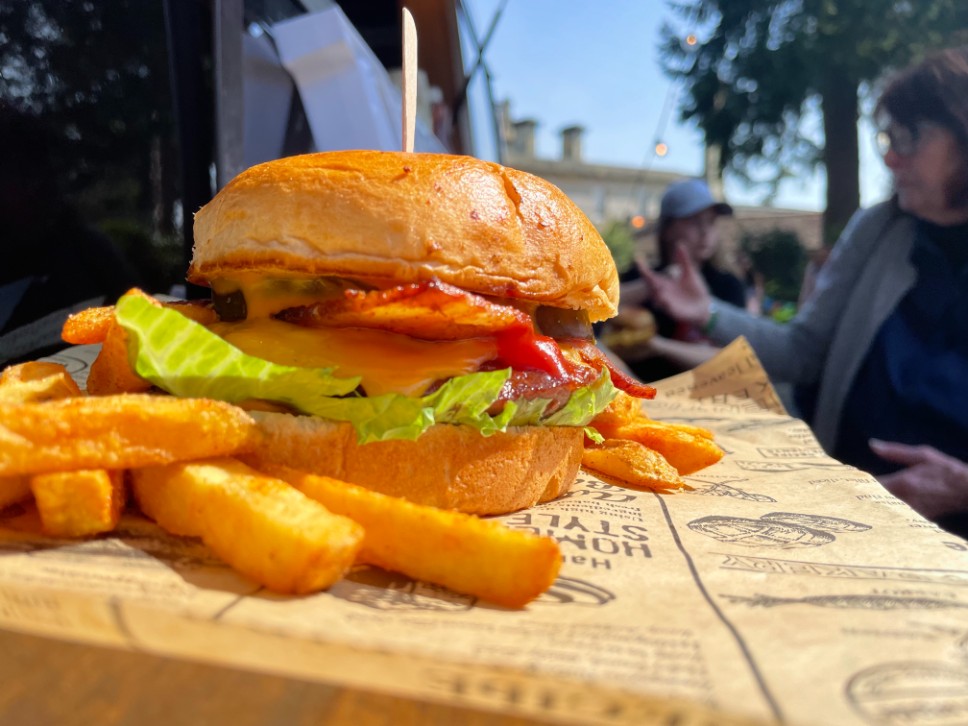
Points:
x=451, y=467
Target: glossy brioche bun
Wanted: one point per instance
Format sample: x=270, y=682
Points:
x=451, y=467
x=408, y=217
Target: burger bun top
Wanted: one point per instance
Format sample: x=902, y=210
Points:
x=400, y=218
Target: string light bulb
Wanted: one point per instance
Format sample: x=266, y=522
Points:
x=691, y=40
x=661, y=148
x=638, y=221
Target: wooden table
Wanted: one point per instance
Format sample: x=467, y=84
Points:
x=44, y=681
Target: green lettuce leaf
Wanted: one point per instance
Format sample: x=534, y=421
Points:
x=584, y=404
x=184, y=358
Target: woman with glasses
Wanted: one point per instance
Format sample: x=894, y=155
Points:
x=885, y=335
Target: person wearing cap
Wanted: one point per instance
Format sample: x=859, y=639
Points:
x=688, y=217
x=884, y=337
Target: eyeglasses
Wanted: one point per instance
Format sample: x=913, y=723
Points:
x=903, y=140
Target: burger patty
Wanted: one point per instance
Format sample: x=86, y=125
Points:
x=530, y=385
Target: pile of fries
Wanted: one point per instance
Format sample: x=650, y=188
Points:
x=81, y=456
x=641, y=452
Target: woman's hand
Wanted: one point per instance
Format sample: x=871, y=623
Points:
x=685, y=296
x=933, y=483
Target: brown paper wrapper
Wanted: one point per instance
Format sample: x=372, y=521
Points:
x=784, y=587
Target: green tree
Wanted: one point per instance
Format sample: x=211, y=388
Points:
x=95, y=74
x=618, y=238
x=780, y=258
x=760, y=66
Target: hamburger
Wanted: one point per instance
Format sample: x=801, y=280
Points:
x=419, y=324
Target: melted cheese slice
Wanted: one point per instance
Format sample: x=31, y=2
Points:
x=266, y=295
x=386, y=362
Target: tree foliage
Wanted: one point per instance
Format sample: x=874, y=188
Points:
x=95, y=76
x=760, y=65
x=618, y=238
x=779, y=257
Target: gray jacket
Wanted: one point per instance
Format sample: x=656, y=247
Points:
x=863, y=280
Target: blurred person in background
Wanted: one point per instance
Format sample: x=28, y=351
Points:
x=754, y=283
x=688, y=220
x=815, y=263
x=53, y=263
x=884, y=335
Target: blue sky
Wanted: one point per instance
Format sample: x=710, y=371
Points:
x=596, y=64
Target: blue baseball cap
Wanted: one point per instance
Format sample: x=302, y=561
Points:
x=688, y=197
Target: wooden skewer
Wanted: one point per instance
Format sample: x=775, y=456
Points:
x=409, y=77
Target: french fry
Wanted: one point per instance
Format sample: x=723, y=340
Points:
x=622, y=410
x=111, y=371
x=13, y=489
x=118, y=432
x=35, y=382
x=79, y=503
x=686, y=450
x=91, y=325
x=689, y=429
x=34, y=370
x=460, y=551
x=613, y=425
x=88, y=326
x=632, y=463
x=259, y=525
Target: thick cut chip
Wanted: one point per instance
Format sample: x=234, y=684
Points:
x=88, y=326
x=34, y=370
x=92, y=325
x=111, y=371
x=460, y=551
x=70, y=504
x=430, y=310
x=633, y=464
x=31, y=382
x=622, y=410
x=259, y=525
x=688, y=428
x=79, y=503
x=687, y=448
x=118, y=432
x=13, y=489
x=35, y=382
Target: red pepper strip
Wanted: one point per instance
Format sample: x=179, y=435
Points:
x=621, y=380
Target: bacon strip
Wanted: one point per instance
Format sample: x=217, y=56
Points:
x=528, y=385
x=591, y=355
x=430, y=310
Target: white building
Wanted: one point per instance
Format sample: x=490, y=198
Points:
x=605, y=193
x=615, y=193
